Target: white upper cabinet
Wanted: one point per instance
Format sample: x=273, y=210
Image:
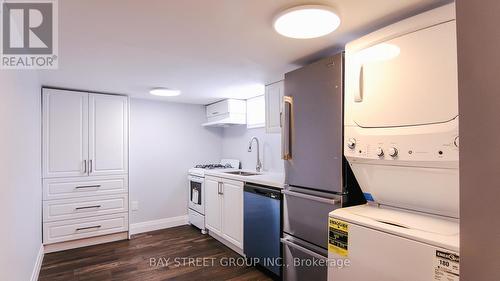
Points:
x=108, y=131
x=65, y=133
x=226, y=106
x=226, y=112
x=84, y=134
x=274, y=98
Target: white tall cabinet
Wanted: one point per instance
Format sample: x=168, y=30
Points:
x=85, y=168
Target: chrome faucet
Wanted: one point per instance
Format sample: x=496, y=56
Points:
x=258, y=168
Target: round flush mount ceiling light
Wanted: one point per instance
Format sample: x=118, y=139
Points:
x=307, y=21
x=164, y=92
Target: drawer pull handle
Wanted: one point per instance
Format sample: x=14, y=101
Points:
x=88, y=227
x=310, y=197
x=88, y=186
x=87, y=207
x=302, y=249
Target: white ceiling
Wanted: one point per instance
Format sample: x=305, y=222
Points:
x=209, y=49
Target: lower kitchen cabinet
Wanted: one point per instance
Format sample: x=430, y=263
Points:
x=79, y=208
x=224, y=209
x=232, y=212
x=213, y=205
x=70, y=230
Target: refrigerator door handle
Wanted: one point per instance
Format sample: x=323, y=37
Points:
x=302, y=249
x=310, y=197
x=286, y=145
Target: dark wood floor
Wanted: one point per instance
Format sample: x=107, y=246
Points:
x=172, y=254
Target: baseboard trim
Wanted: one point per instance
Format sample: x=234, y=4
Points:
x=38, y=264
x=73, y=244
x=141, y=227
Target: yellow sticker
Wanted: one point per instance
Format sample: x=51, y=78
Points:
x=338, y=234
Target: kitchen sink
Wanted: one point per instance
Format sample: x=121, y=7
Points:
x=242, y=173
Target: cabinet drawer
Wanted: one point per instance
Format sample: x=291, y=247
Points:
x=217, y=108
x=64, y=209
x=61, y=231
x=225, y=107
x=60, y=188
x=233, y=182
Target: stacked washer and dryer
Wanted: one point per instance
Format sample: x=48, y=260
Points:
x=401, y=140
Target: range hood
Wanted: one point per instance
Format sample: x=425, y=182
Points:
x=226, y=113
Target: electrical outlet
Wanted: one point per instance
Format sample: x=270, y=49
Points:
x=135, y=205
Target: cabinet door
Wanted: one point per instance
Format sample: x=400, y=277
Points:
x=212, y=205
x=274, y=97
x=232, y=212
x=108, y=134
x=65, y=133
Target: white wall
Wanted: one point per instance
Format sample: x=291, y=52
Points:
x=235, y=145
x=20, y=176
x=166, y=139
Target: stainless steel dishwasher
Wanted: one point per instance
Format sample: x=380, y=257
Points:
x=262, y=226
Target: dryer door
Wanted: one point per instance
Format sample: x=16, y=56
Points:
x=393, y=83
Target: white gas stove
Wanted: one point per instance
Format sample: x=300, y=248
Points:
x=196, y=178
x=225, y=164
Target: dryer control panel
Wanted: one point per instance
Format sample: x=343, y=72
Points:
x=429, y=145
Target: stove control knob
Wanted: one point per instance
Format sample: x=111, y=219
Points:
x=456, y=142
x=380, y=152
x=393, y=152
x=351, y=143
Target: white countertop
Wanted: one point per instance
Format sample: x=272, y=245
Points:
x=276, y=180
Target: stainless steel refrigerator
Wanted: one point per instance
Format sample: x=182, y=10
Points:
x=312, y=147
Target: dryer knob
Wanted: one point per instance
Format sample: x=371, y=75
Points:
x=380, y=152
x=351, y=143
x=456, y=142
x=393, y=152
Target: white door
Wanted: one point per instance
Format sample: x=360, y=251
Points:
x=65, y=133
x=232, y=212
x=212, y=205
x=108, y=134
x=274, y=98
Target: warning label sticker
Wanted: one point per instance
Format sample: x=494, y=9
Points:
x=446, y=266
x=338, y=234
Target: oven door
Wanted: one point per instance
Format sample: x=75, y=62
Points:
x=196, y=194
